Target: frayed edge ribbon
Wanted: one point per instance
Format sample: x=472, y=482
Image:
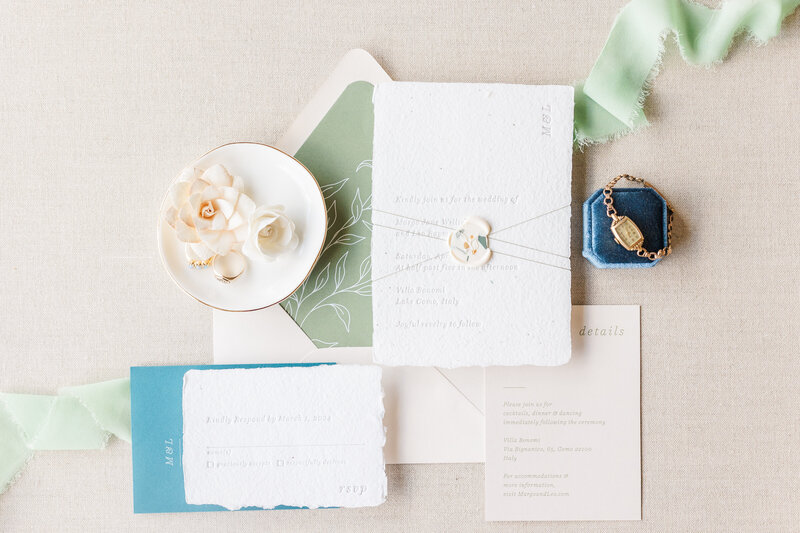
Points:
x=78, y=418
x=610, y=102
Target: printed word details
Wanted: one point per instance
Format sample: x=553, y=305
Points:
x=562, y=443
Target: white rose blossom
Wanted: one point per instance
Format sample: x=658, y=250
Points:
x=209, y=212
x=271, y=234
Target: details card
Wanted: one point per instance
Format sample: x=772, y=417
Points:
x=564, y=443
x=257, y=437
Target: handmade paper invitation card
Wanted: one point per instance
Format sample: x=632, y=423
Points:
x=564, y=443
x=471, y=224
x=212, y=438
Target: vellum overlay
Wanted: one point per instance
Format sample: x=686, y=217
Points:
x=445, y=156
x=294, y=436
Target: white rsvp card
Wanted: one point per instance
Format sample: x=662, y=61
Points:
x=564, y=443
x=299, y=436
x=499, y=156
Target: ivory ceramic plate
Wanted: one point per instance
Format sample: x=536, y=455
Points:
x=270, y=177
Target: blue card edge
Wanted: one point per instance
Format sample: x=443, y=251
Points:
x=156, y=404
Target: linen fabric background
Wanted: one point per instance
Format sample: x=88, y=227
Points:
x=103, y=103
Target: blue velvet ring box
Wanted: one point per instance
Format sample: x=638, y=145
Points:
x=644, y=206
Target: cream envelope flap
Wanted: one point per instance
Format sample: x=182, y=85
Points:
x=498, y=158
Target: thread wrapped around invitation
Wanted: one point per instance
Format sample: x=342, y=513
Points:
x=471, y=224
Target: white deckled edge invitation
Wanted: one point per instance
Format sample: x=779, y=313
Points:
x=298, y=436
x=471, y=224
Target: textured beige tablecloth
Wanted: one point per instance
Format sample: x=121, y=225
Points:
x=103, y=102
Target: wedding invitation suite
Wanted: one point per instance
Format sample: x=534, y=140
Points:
x=471, y=224
x=564, y=443
x=257, y=437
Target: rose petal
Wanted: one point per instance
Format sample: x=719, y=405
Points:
x=237, y=183
x=210, y=193
x=236, y=220
x=262, y=222
x=225, y=207
x=179, y=193
x=218, y=175
x=186, y=213
x=189, y=174
x=198, y=186
x=202, y=224
x=208, y=236
x=245, y=206
x=171, y=216
x=196, y=200
x=267, y=240
x=292, y=244
x=219, y=222
x=224, y=242
x=201, y=251
x=229, y=194
x=252, y=251
x=285, y=235
x=185, y=233
x=267, y=247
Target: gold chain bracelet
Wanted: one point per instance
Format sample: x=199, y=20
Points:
x=626, y=233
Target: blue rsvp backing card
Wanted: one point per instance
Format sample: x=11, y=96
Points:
x=236, y=437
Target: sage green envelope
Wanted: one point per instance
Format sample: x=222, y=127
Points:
x=334, y=305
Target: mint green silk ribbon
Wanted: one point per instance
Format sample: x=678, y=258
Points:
x=609, y=102
x=78, y=418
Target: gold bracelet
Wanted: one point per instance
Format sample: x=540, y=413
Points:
x=626, y=233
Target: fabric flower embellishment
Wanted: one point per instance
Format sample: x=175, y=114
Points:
x=271, y=234
x=209, y=212
x=469, y=244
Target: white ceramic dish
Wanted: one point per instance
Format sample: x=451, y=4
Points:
x=270, y=177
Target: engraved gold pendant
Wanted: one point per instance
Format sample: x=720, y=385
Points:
x=627, y=233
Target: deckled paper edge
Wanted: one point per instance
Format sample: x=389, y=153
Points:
x=382, y=414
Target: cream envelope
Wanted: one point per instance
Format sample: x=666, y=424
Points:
x=432, y=415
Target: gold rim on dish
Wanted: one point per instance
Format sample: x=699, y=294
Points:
x=313, y=264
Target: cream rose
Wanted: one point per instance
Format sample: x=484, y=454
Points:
x=209, y=212
x=271, y=234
